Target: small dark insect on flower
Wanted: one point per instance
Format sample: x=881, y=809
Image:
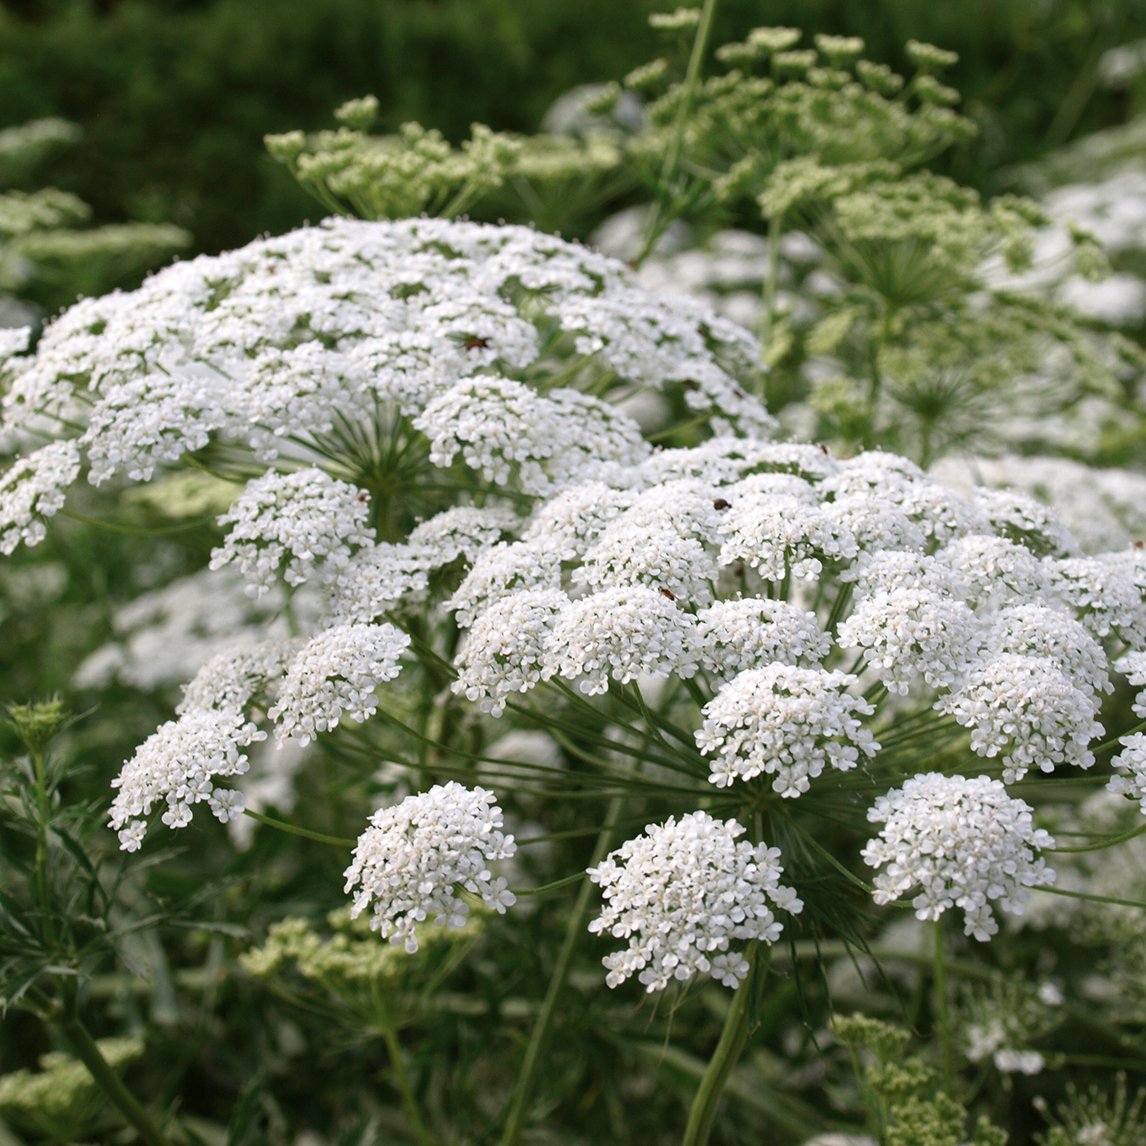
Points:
x=720, y=503
x=476, y=343
x=666, y=593
x=363, y=497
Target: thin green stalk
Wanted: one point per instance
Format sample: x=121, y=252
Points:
x=574, y=931
x=405, y=1090
x=942, y=1012
x=732, y=1041
x=294, y=830
x=110, y=1083
x=659, y=218
x=876, y=378
x=39, y=767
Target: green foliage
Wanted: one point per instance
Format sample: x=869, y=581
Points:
x=42, y=258
x=904, y=1103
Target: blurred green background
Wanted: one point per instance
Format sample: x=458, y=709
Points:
x=174, y=96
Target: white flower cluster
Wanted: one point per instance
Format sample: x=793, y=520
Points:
x=785, y=722
x=292, y=523
x=441, y=329
x=334, y=676
x=33, y=490
x=411, y=862
x=963, y=843
x=1130, y=769
x=177, y=765
x=683, y=894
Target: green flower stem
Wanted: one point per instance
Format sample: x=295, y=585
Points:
x=574, y=931
x=660, y=218
x=110, y=1083
x=43, y=888
x=942, y=1012
x=732, y=1041
x=405, y=1090
x=876, y=377
x=1101, y=844
x=294, y=830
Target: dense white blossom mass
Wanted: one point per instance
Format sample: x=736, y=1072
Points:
x=438, y=465
x=411, y=862
x=963, y=843
x=682, y=894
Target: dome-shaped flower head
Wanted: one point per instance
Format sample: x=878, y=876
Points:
x=177, y=765
x=621, y=633
x=957, y=842
x=1027, y=709
x=411, y=861
x=293, y=522
x=682, y=894
x=786, y=722
x=335, y=675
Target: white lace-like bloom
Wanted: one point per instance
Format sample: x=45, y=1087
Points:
x=684, y=505
x=1133, y=666
x=277, y=348
x=144, y=421
x=724, y=460
x=570, y=522
x=908, y=633
x=292, y=522
x=33, y=490
x=502, y=427
x=781, y=535
x=751, y=632
x=374, y=579
x=876, y=523
x=463, y=530
x=333, y=676
x=682, y=894
x=296, y=390
x=230, y=679
x=506, y=650
x=1040, y=631
x=1109, y=591
x=1026, y=519
x=658, y=557
x=994, y=570
x=501, y=571
x=411, y=862
x=888, y=570
x=1130, y=768
x=621, y=633
x=785, y=722
x=962, y=843
x=177, y=765
x=1028, y=710
x=939, y=513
